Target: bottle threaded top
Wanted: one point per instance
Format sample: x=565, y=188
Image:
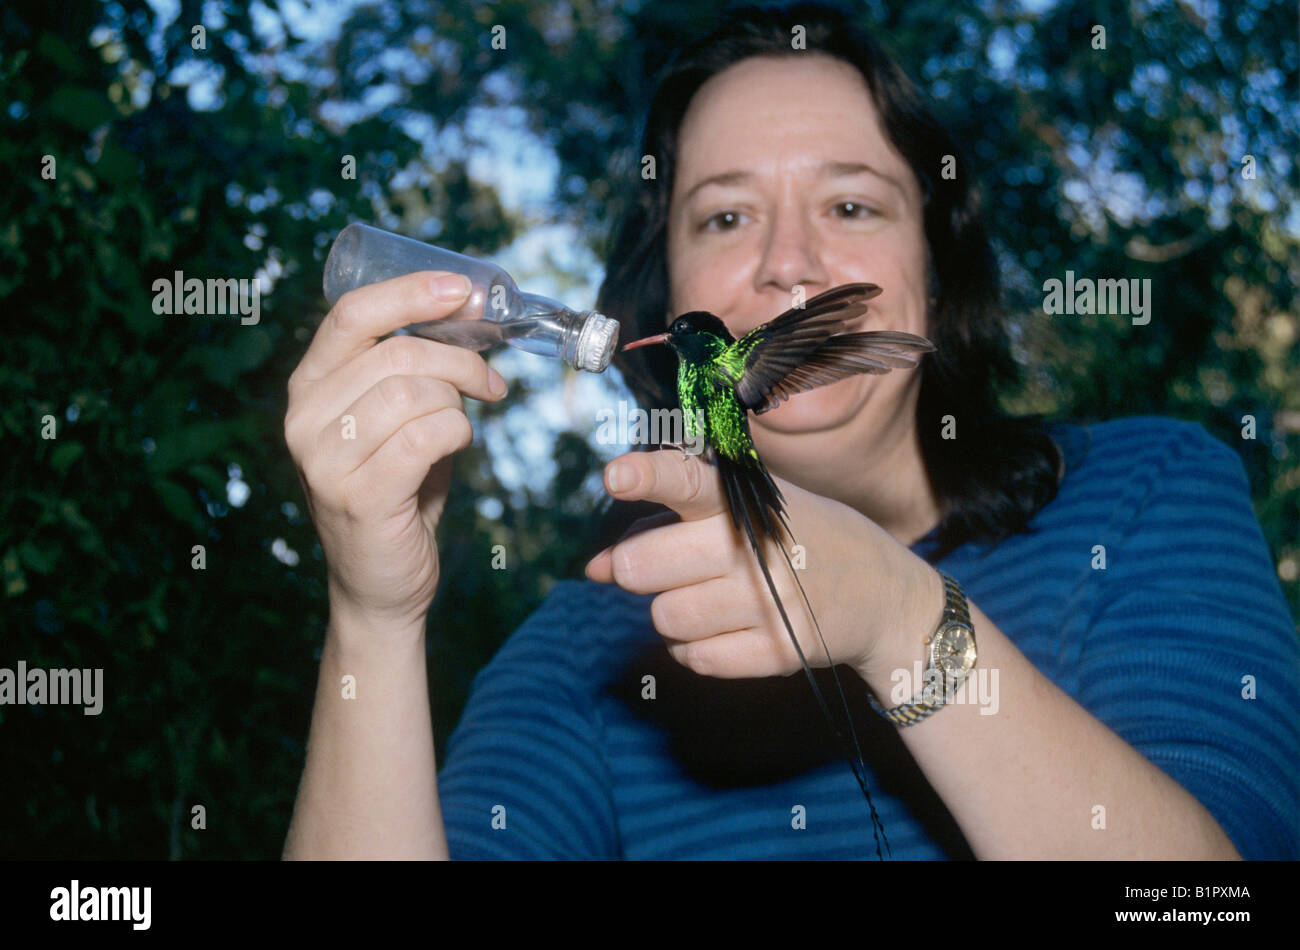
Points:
x=596, y=342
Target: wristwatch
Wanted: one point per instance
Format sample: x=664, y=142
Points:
x=951, y=652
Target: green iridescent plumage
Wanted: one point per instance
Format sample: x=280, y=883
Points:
x=720, y=380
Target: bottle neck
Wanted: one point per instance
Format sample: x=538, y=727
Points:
x=582, y=338
x=537, y=306
x=538, y=314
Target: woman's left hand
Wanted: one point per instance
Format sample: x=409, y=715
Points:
x=875, y=600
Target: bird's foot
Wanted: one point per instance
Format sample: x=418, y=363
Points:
x=686, y=448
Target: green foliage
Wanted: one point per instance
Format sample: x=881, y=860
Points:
x=225, y=162
x=208, y=673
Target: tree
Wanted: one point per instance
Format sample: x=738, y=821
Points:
x=232, y=145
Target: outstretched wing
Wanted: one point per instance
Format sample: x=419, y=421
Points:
x=804, y=348
x=875, y=352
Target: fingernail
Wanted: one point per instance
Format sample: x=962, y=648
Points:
x=592, y=564
x=496, y=382
x=451, y=287
x=621, y=478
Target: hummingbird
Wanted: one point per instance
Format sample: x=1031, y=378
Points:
x=720, y=380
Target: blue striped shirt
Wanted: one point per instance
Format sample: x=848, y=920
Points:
x=582, y=739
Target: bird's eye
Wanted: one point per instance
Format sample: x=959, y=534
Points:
x=680, y=325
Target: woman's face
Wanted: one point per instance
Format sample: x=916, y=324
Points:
x=786, y=177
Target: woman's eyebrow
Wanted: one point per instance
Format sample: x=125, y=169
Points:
x=845, y=169
x=827, y=169
x=722, y=178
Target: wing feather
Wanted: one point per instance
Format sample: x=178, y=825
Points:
x=805, y=348
x=875, y=352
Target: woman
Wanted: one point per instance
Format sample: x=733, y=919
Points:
x=1118, y=584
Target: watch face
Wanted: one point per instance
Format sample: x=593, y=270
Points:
x=953, y=652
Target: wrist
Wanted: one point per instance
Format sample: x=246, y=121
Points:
x=902, y=645
x=358, y=631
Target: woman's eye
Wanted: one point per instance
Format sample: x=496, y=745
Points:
x=722, y=221
x=853, y=209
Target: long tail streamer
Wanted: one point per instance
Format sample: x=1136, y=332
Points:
x=746, y=494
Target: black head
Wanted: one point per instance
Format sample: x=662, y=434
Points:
x=694, y=336
x=698, y=321
x=691, y=335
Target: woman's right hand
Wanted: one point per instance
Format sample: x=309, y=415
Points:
x=372, y=428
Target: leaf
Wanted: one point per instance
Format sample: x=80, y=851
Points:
x=157, y=615
x=53, y=48
x=212, y=362
x=80, y=107
x=190, y=443
x=141, y=318
x=82, y=614
x=73, y=516
x=116, y=164
x=220, y=752
x=15, y=580
x=178, y=502
x=139, y=763
x=40, y=561
x=209, y=477
x=11, y=65
x=250, y=348
x=65, y=455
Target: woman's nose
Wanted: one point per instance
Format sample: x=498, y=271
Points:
x=790, y=253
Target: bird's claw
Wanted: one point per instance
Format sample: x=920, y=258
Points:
x=685, y=448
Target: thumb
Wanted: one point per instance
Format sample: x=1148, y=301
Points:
x=685, y=483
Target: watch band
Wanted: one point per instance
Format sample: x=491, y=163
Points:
x=956, y=612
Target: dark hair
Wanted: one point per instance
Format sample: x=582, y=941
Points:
x=990, y=481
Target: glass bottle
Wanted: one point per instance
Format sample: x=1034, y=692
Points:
x=497, y=311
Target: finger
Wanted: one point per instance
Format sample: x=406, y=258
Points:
x=641, y=525
x=599, y=568
x=686, y=484
x=738, y=654
x=364, y=315
x=345, y=444
x=707, y=609
x=400, y=466
x=675, y=556
x=411, y=356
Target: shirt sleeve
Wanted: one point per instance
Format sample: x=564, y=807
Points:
x=1191, y=655
x=525, y=774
